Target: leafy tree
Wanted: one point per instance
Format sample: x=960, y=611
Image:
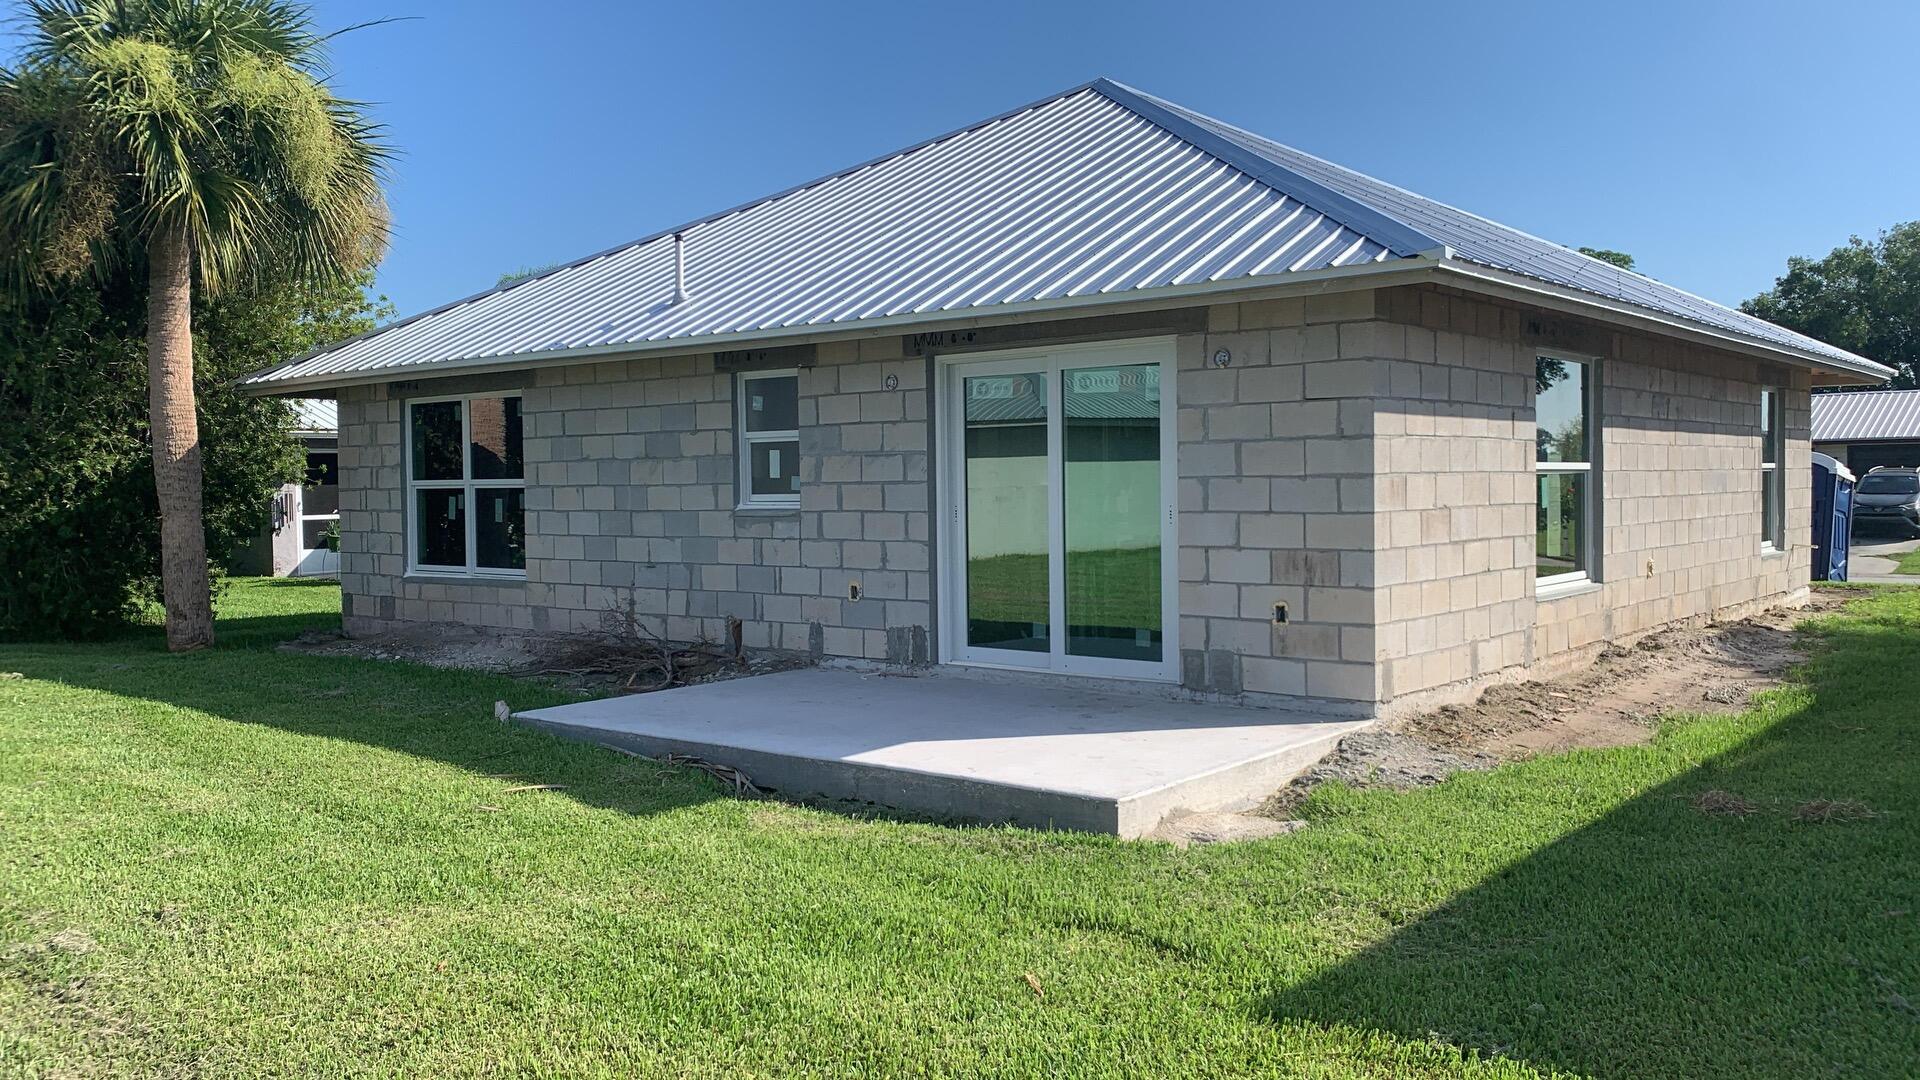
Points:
x=1863, y=296
x=1618, y=258
x=194, y=145
x=79, y=543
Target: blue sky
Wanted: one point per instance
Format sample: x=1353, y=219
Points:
x=1710, y=140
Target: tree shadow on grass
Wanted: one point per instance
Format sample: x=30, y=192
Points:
x=1681, y=936
x=432, y=713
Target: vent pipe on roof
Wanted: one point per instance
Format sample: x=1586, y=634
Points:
x=679, y=268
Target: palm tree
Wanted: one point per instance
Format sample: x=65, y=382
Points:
x=194, y=141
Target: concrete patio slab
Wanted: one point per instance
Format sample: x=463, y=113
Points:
x=955, y=746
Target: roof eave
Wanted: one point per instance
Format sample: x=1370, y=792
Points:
x=1437, y=265
x=1338, y=278
x=1486, y=279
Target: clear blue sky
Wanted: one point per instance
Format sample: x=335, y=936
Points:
x=1710, y=140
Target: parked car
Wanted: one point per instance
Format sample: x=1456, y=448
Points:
x=1888, y=498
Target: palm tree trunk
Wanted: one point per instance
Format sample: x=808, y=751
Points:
x=176, y=443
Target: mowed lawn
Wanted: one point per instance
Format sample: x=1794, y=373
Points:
x=245, y=862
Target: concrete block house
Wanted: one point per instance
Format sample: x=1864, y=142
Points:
x=1097, y=388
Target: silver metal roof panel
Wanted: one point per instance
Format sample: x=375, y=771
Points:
x=1476, y=239
x=1865, y=415
x=315, y=415
x=1093, y=193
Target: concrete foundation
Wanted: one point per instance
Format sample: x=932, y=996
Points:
x=955, y=746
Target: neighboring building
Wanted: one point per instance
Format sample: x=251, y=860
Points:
x=1867, y=430
x=294, y=540
x=1098, y=387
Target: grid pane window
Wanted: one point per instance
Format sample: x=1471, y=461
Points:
x=500, y=529
x=1564, y=437
x=494, y=445
x=769, y=449
x=441, y=527
x=457, y=525
x=436, y=440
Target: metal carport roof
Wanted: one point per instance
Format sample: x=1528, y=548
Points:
x=1866, y=416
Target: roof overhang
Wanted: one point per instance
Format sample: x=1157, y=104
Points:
x=1500, y=283
x=1431, y=267
x=1296, y=283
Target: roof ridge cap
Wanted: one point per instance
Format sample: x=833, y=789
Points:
x=1397, y=236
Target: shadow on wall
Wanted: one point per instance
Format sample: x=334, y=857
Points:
x=1668, y=939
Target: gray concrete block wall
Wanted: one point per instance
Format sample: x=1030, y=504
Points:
x=865, y=495
x=1276, y=490
x=1679, y=479
x=631, y=506
x=1454, y=506
x=1365, y=459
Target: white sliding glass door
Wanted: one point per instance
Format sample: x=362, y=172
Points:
x=1058, y=489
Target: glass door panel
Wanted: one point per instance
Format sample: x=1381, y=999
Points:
x=1009, y=565
x=1110, y=453
x=1058, y=470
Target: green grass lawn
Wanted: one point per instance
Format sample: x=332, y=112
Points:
x=1909, y=563
x=244, y=862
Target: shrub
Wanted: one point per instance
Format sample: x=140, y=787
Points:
x=79, y=532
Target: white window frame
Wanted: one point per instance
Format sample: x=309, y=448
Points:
x=1773, y=416
x=951, y=572
x=467, y=485
x=1590, y=491
x=744, y=441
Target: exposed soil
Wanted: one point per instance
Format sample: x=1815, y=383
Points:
x=1616, y=701
x=588, y=663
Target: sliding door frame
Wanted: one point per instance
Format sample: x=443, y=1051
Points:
x=951, y=573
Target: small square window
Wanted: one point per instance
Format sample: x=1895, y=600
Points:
x=775, y=469
x=773, y=403
x=769, y=438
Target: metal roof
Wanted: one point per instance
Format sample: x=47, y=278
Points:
x=1098, y=193
x=1475, y=239
x=1864, y=415
x=315, y=415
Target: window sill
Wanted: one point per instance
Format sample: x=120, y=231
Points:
x=767, y=510
x=1561, y=590
x=454, y=577
x=1768, y=551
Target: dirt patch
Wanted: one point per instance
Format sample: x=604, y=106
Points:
x=605, y=663
x=1715, y=668
x=1378, y=758
x=1219, y=827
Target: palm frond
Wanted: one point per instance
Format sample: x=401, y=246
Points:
x=211, y=116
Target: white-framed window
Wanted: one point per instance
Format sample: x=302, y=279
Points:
x=769, y=441
x=466, y=486
x=1567, y=433
x=1773, y=499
